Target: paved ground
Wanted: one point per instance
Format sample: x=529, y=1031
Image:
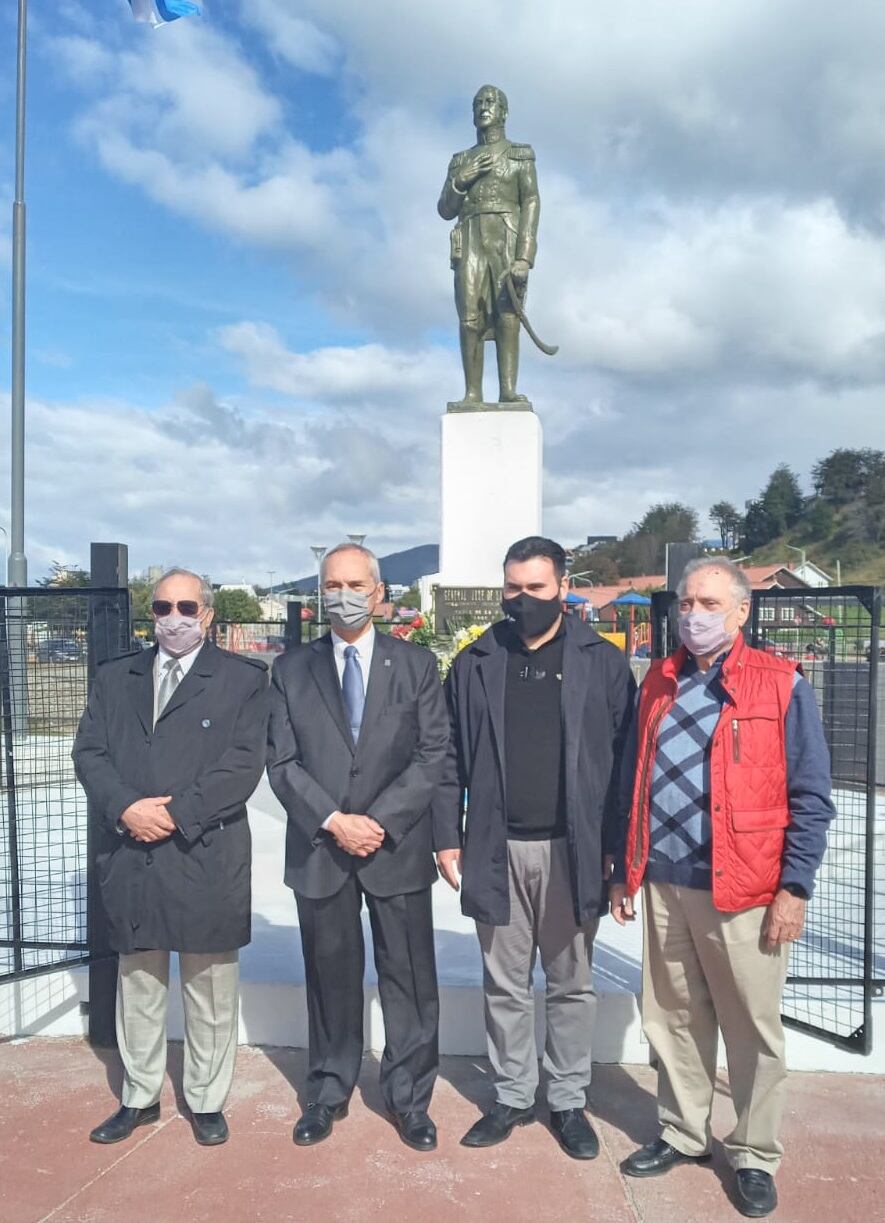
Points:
x=53, y=1091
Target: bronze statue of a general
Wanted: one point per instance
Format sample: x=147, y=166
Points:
x=492, y=190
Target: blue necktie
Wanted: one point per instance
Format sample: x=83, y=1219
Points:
x=354, y=690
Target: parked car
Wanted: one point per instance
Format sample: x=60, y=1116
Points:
x=59, y=649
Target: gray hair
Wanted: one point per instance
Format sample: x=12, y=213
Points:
x=370, y=556
x=207, y=594
x=740, y=583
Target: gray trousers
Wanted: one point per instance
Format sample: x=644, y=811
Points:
x=541, y=920
x=210, y=993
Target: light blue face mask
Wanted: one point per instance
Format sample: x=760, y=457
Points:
x=348, y=609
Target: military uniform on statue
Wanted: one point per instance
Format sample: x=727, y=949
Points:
x=170, y=747
x=358, y=737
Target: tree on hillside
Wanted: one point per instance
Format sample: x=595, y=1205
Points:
x=843, y=475
x=69, y=576
x=236, y=606
x=727, y=519
x=597, y=567
x=782, y=499
x=642, y=550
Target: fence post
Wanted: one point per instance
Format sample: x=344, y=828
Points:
x=293, y=624
x=108, y=627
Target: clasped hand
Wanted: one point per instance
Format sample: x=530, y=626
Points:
x=148, y=819
x=472, y=170
x=359, y=835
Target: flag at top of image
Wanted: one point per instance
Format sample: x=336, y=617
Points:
x=158, y=12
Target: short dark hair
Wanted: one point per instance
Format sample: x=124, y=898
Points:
x=536, y=545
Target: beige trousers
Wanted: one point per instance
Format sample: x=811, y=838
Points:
x=705, y=971
x=210, y=993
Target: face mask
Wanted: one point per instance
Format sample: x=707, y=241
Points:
x=704, y=633
x=532, y=617
x=178, y=635
x=348, y=609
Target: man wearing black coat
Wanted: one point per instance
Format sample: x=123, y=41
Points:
x=358, y=739
x=539, y=708
x=170, y=747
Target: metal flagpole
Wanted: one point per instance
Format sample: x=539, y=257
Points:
x=18, y=563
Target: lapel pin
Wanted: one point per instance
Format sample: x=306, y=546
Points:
x=206, y=723
x=387, y=662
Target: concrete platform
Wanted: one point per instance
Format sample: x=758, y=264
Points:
x=53, y=1091
x=273, y=1011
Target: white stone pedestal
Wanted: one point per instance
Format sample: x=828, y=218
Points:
x=491, y=491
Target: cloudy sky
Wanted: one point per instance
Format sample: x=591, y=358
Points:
x=241, y=328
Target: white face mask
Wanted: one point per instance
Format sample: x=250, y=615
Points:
x=348, y=609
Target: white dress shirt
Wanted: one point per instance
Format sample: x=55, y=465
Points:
x=185, y=662
x=365, y=646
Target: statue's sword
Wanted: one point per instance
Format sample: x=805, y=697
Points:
x=549, y=349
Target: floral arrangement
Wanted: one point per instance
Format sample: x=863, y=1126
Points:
x=417, y=629
x=462, y=638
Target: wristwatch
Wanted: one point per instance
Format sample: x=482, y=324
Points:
x=796, y=889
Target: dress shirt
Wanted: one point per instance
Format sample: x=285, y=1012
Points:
x=365, y=646
x=185, y=662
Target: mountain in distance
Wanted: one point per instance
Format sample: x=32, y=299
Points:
x=398, y=569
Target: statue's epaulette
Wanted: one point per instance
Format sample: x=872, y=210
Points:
x=521, y=152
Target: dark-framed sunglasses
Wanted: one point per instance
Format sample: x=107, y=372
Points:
x=185, y=607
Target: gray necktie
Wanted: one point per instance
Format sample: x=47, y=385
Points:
x=168, y=684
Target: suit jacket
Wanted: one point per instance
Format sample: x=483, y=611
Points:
x=597, y=704
x=192, y=891
x=391, y=773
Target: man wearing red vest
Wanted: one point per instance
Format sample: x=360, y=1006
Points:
x=727, y=784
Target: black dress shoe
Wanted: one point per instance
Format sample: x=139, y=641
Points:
x=496, y=1125
x=416, y=1130
x=755, y=1194
x=656, y=1158
x=210, y=1129
x=575, y=1133
x=315, y=1123
x=123, y=1122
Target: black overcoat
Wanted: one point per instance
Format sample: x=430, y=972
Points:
x=191, y=892
x=597, y=704
x=391, y=773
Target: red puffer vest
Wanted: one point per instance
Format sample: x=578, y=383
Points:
x=748, y=774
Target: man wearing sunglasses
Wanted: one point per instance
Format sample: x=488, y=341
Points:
x=170, y=747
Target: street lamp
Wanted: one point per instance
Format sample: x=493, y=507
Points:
x=319, y=552
x=801, y=551
x=356, y=539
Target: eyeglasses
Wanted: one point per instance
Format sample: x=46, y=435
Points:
x=185, y=607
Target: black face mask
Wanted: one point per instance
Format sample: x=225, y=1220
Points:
x=532, y=617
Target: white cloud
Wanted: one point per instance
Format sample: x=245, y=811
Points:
x=294, y=39
x=710, y=260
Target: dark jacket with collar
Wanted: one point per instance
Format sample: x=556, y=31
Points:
x=597, y=701
x=391, y=773
x=192, y=891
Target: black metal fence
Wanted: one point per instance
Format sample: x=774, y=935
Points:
x=49, y=642
x=838, y=965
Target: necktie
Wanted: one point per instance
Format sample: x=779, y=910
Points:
x=169, y=683
x=353, y=689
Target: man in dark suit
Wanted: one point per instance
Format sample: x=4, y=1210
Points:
x=539, y=707
x=358, y=737
x=170, y=747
